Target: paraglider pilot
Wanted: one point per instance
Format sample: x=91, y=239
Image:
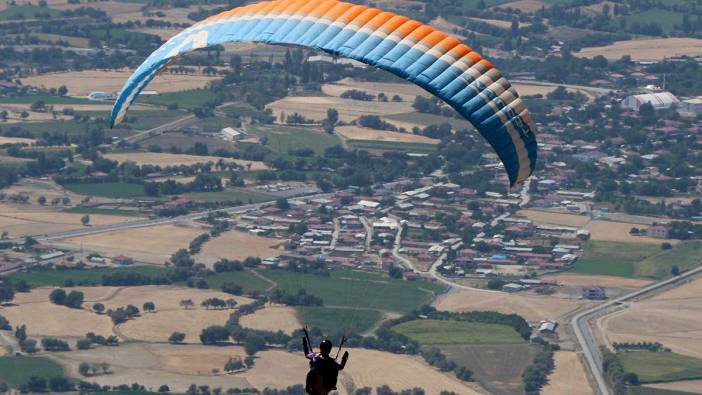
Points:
x=324, y=370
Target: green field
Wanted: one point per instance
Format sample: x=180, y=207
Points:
x=189, y=99
x=56, y=278
x=104, y=211
x=349, y=288
x=247, y=280
x=281, y=139
x=117, y=190
x=16, y=371
x=27, y=12
x=613, y=259
x=244, y=196
x=656, y=391
x=391, y=146
x=48, y=99
x=686, y=255
x=430, y=332
x=337, y=320
x=655, y=367
x=38, y=129
x=666, y=19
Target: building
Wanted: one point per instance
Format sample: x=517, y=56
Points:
x=659, y=100
x=594, y=293
x=122, y=260
x=99, y=96
x=692, y=105
x=658, y=231
x=231, y=134
x=512, y=287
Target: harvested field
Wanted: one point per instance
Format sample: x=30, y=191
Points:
x=155, y=364
x=499, y=23
x=598, y=8
x=315, y=107
x=165, y=159
x=361, y=133
x=532, y=308
x=44, y=318
x=272, y=318
x=237, y=245
x=673, y=318
x=619, y=232
x=447, y=26
x=16, y=140
x=583, y=280
x=165, y=34
x=406, y=91
x=81, y=83
x=646, y=49
x=569, y=377
x=153, y=244
x=554, y=218
x=531, y=90
x=525, y=5
x=33, y=220
x=6, y=160
x=166, y=298
x=157, y=327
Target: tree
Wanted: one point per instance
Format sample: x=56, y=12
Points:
x=149, y=306
x=176, y=338
x=74, y=299
x=675, y=270
x=85, y=369
x=60, y=384
x=36, y=384
x=282, y=204
x=231, y=303
x=62, y=90
x=164, y=388
x=6, y=293
x=5, y=324
x=254, y=343
x=233, y=365
x=99, y=308
x=395, y=272
x=41, y=200
x=214, y=334
x=84, y=344
x=58, y=296
x=85, y=220
x=187, y=303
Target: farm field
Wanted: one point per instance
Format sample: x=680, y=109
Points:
x=237, y=245
x=272, y=318
x=569, y=376
x=646, y=49
x=686, y=255
x=380, y=145
x=114, y=190
x=166, y=159
x=496, y=367
x=526, y=5
x=613, y=259
x=81, y=83
x=281, y=138
x=25, y=220
x=341, y=320
x=661, y=366
x=15, y=371
x=430, y=332
x=584, y=280
x=658, y=389
x=554, y=218
x=360, y=133
x=672, y=318
x=245, y=196
x=188, y=99
x=684, y=387
x=185, y=141
x=56, y=278
x=406, y=91
x=532, y=308
x=153, y=244
x=412, y=119
x=315, y=107
x=16, y=140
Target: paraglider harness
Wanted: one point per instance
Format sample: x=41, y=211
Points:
x=320, y=380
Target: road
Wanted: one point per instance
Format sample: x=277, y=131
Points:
x=579, y=323
x=158, y=129
x=11, y=342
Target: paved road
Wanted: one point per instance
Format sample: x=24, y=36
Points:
x=158, y=129
x=579, y=322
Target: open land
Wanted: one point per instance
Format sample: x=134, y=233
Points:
x=584, y=280
x=457, y=332
x=673, y=318
x=315, y=107
x=406, y=91
x=569, y=377
x=81, y=83
x=16, y=140
x=654, y=367
x=525, y=5
x=692, y=386
x=166, y=159
x=361, y=133
x=153, y=244
x=272, y=318
x=532, y=308
x=237, y=245
x=646, y=49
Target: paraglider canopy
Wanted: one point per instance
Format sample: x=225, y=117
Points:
x=435, y=61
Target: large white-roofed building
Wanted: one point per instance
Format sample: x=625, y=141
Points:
x=659, y=100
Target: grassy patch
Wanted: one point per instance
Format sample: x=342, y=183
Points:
x=349, y=288
x=391, y=146
x=15, y=371
x=117, y=190
x=245, y=196
x=336, y=320
x=247, y=280
x=48, y=99
x=613, y=259
x=656, y=391
x=666, y=19
x=27, y=12
x=686, y=255
x=457, y=332
x=281, y=139
x=38, y=129
x=188, y=99
x=104, y=211
x=422, y=119
x=57, y=278
x=654, y=367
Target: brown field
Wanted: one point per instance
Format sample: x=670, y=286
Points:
x=166, y=159
x=525, y=5
x=646, y=49
x=237, y=245
x=531, y=307
x=534, y=89
x=673, y=318
x=554, y=218
x=272, y=318
x=499, y=23
x=406, y=91
x=34, y=188
x=693, y=386
x=166, y=298
x=582, y=280
x=315, y=107
x=361, y=133
x=81, y=83
x=153, y=244
x=569, y=377
x=4, y=159
x=155, y=364
x=22, y=220
x=619, y=231
x=447, y=26
x=44, y=318
x=16, y=140
x=14, y=114
x=165, y=34
x=158, y=326
x=597, y=8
